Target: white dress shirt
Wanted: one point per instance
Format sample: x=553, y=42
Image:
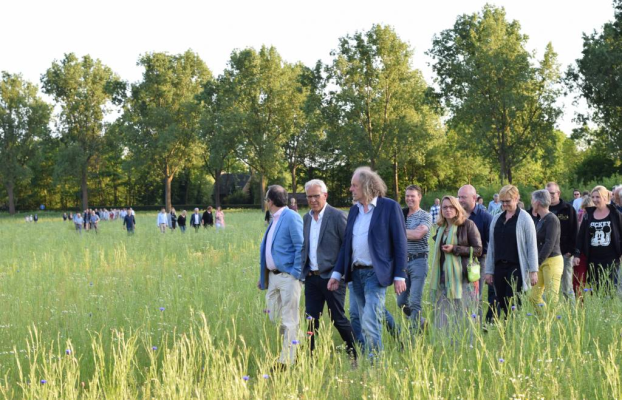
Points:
x=269, y=260
x=360, y=233
x=314, y=237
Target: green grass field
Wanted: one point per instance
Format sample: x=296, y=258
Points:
x=179, y=316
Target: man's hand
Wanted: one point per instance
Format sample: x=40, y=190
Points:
x=576, y=261
x=399, y=285
x=333, y=284
x=489, y=279
x=533, y=276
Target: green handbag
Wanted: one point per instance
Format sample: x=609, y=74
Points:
x=473, y=268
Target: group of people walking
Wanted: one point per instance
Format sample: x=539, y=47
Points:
x=196, y=220
x=378, y=245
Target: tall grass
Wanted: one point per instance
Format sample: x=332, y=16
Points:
x=179, y=316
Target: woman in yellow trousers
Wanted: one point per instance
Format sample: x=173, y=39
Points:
x=550, y=260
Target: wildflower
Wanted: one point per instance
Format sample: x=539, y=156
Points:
x=266, y=376
x=587, y=289
x=266, y=311
x=310, y=333
x=501, y=360
x=43, y=381
x=309, y=317
x=162, y=308
x=559, y=317
x=154, y=348
x=513, y=308
x=529, y=314
x=295, y=342
x=91, y=284
x=541, y=305
x=474, y=315
x=246, y=377
x=68, y=351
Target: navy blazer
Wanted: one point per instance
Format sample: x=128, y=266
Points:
x=387, y=243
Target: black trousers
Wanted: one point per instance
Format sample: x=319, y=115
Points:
x=316, y=296
x=508, y=281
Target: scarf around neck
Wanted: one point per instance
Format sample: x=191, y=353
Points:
x=452, y=265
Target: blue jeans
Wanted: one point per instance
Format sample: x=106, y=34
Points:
x=370, y=297
x=355, y=319
x=410, y=300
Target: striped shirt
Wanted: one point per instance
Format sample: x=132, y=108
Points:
x=419, y=217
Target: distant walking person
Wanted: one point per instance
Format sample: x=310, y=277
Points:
x=195, y=220
x=208, y=217
x=280, y=271
x=172, y=219
x=78, y=221
x=129, y=222
x=181, y=221
x=220, y=219
x=162, y=220
x=435, y=210
x=94, y=221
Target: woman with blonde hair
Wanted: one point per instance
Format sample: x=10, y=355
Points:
x=599, y=239
x=457, y=239
x=512, y=260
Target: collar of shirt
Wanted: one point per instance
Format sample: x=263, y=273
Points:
x=372, y=203
x=277, y=214
x=321, y=213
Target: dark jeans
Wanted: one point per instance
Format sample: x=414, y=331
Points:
x=508, y=281
x=600, y=274
x=316, y=295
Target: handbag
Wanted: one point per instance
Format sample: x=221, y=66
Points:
x=473, y=268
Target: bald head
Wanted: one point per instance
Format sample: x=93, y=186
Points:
x=467, y=196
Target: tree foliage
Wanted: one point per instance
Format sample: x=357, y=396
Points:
x=502, y=103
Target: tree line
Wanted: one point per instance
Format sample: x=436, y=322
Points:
x=488, y=118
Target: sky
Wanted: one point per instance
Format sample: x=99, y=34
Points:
x=35, y=33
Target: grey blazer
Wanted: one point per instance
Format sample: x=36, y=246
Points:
x=332, y=232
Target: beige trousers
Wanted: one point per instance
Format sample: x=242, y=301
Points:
x=283, y=300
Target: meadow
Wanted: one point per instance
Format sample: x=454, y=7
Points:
x=179, y=316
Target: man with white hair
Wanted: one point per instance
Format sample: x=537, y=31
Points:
x=195, y=220
x=323, y=229
x=494, y=207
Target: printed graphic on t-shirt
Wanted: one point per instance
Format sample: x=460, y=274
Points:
x=601, y=233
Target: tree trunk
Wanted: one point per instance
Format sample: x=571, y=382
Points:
x=293, y=172
x=262, y=190
x=217, y=174
x=187, y=189
x=509, y=175
x=168, y=178
x=396, y=183
x=85, y=189
x=9, y=190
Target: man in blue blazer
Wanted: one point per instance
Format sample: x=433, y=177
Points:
x=374, y=253
x=281, y=270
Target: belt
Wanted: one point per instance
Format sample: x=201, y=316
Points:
x=316, y=273
x=416, y=256
x=359, y=266
x=275, y=271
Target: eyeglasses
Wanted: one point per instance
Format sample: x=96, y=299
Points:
x=553, y=193
x=314, y=197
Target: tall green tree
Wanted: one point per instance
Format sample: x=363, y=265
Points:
x=501, y=101
x=263, y=83
x=24, y=119
x=218, y=133
x=85, y=89
x=161, y=116
x=596, y=77
x=377, y=105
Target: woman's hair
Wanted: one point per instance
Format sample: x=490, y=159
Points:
x=604, y=193
x=460, y=213
x=587, y=202
x=510, y=191
x=371, y=183
x=542, y=196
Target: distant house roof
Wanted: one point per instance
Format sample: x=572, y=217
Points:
x=230, y=183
